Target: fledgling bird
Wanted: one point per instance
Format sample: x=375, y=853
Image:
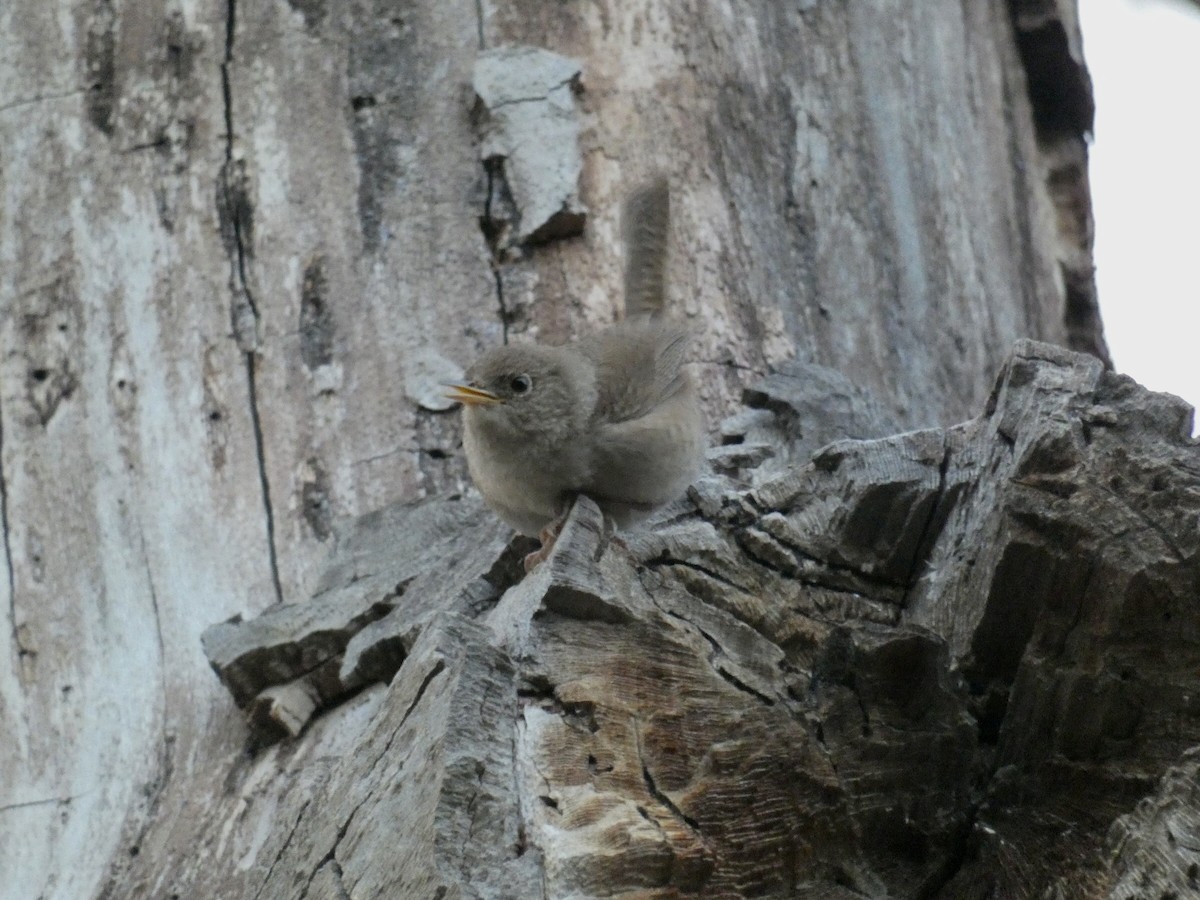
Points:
x=613, y=416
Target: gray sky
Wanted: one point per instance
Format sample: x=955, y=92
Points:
x=1144, y=56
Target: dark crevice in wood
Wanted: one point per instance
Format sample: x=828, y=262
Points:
x=536, y=687
x=101, y=62
x=236, y=211
x=8, y=560
x=725, y=674
x=1063, y=108
x=666, y=560
x=960, y=853
x=315, y=495
x=330, y=858
x=479, y=24
x=861, y=582
x=338, y=883
x=317, y=327
x=160, y=143
x=653, y=789
x=264, y=481
x=494, y=231
x=1060, y=89
x=230, y=26
x=862, y=709
x=742, y=686
x=438, y=668
x=928, y=535
x=667, y=801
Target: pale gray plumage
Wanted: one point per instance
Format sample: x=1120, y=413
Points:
x=614, y=416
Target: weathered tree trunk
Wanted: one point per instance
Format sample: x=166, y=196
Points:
x=239, y=245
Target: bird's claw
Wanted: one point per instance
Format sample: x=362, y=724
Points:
x=547, y=536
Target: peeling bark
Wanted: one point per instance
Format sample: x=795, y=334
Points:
x=529, y=141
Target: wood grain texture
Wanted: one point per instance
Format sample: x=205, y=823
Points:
x=235, y=242
x=760, y=696
x=861, y=187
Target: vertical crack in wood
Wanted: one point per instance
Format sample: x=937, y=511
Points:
x=925, y=541
x=240, y=288
x=486, y=225
x=479, y=23
x=503, y=306
x=264, y=481
x=162, y=648
x=438, y=668
x=960, y=852
x=8, y=560
x=339, y=882
x=330, y=858
x=287, y=842
x=654, y=791
x=226, y=90
x=712, y=658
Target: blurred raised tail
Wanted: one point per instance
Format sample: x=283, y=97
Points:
x=645, y=227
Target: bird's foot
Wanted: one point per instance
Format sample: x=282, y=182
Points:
x=608, y=536
x=538, y=556
x=547, y=536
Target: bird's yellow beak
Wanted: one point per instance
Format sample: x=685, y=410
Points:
x=471, y=396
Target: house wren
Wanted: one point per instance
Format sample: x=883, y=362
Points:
x=613, y=416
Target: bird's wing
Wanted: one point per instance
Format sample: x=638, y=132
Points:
x=639, y=464
x=645, y=225
x=639, y=367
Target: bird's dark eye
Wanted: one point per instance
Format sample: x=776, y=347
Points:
x=521, y=384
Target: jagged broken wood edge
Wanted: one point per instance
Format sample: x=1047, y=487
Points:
x=850, y=605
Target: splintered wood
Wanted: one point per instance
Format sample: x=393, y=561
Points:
x=948, y=660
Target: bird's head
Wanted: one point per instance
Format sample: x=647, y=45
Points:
x=522, y=392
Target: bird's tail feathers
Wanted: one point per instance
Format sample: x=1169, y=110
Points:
x=645, y=228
